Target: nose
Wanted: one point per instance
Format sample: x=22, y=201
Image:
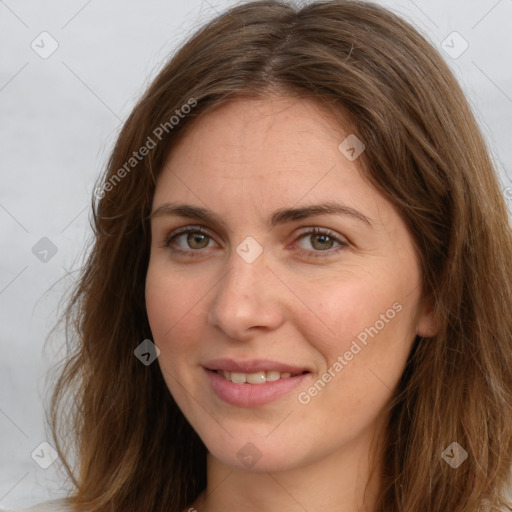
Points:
x=247, y=299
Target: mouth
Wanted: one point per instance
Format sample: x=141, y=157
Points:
x=253, y=383
x=260, y=377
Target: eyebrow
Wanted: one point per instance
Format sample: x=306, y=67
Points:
x=280, y=216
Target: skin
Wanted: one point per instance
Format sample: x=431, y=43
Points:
x=243, y=161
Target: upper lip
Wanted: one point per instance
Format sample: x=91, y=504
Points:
x=252, y=366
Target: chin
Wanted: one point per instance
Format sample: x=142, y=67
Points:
x=256, y=456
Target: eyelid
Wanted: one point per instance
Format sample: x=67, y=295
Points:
x=324, y=231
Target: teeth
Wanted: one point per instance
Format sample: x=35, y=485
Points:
x=272, y=376
x=254, y=378
x=238, y=378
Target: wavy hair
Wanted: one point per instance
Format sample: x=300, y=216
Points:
x=425, y=153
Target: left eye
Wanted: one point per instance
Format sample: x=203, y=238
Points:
x=321, y=241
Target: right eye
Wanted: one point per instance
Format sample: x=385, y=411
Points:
x=188, y=240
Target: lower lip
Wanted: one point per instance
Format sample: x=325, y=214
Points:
x=251, y=395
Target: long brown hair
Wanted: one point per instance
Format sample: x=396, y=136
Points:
x=424, y=152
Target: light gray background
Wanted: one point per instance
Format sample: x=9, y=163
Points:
x=59, y=119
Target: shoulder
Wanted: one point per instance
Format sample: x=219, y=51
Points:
x=47, y=506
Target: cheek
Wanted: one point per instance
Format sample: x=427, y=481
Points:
x=173, y=306
x=159, y=303
x=362, y=355
x=174, y=312
x=170, y=296
x=363, y=333
x=358, y=308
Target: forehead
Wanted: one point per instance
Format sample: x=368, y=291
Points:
x=270, y=144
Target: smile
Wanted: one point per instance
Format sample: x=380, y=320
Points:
x=257, y=377
x=252, y=389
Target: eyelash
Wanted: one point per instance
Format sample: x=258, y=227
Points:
x=311, y=253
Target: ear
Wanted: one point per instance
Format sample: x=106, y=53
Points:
x=427, y=325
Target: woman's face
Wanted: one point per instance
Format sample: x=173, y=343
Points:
x=275, y=283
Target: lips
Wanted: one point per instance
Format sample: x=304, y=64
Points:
x=252, y=383
x=253, y=366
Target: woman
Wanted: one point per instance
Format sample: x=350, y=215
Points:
x=298, y=296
